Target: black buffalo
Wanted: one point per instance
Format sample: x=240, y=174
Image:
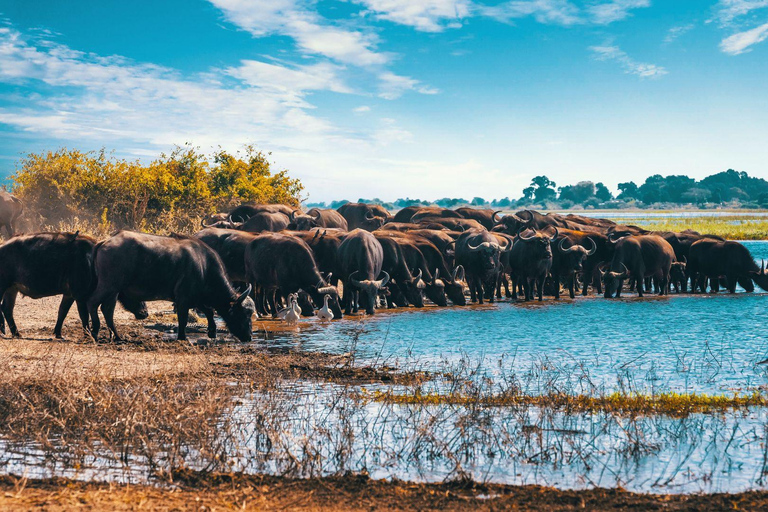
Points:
x=361, y=258
x=713, y=259
x=180, y=269
x=246, y=211
x=639, y=257
x=47, y=264
x=531, y=260
x=479, y=252
x=568, y=262
x=316, y=218
x=283, y=263
x=369, y=217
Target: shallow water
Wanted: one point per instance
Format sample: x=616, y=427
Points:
x=703, y=343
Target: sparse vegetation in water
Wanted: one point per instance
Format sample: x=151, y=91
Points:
x=667, y=403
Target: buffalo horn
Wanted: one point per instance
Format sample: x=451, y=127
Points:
x=495, y=217
x=244, y=295
x=525, y=239
x=593, y=249
x=383, y=281
x=563, y=249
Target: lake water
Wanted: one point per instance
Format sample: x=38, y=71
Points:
x=704, y=343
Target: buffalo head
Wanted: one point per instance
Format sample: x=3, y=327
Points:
x=238, y=315
x=613, y=280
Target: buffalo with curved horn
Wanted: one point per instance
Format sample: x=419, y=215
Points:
x=531, y=261
x=568, y=262
x=480, y=254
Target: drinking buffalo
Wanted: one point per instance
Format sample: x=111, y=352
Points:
x=360, y=260
x=49, y=264
x=369, y=217
x=11, y=208
x=712, y=259
x=640, y=257
x=316, y=218
x=276, y=262
x=531, y=259
x=176, y=268
x=440, y=281
x=479, y=253
x=409, y=283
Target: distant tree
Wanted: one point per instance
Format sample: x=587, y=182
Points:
x=478, y=201
x=501, y=203
x=696, y=195
x=543, y=189
x=337, y=204
x=602, y=193
x=577, y=193
x=628, y=190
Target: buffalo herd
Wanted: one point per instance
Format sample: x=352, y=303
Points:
x=260, y=258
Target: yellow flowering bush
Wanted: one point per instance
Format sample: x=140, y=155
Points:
x=69, y=187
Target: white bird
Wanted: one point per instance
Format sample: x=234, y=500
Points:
x=325, y=313
x=292, y=313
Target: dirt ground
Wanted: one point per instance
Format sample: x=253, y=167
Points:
x=353, y=493
x=152, y=350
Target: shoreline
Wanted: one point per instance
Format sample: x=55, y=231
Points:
x=191, y=491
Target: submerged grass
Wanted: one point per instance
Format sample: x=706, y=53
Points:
x=669, y=404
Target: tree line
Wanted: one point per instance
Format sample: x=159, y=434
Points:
x=732, y=189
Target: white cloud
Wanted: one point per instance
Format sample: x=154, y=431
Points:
x=312, y=33
x=559, y=12
x=615, y=54
x=361, y=109
x=615, y=10
x=727, y=11
x=102, y=99
x=321, y=76
x=676, y=32
x=424, y=15
x=741, y=42
x=393, y=86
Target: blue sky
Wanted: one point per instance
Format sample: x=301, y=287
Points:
x=395, y=98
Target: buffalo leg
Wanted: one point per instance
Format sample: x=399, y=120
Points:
x=556, y=284
x=640, y=283
x=746, y=283
x=108, y=310
x=183, y=317
x=346, y=299
x=208, y=312
x=9, y=302
x=66, y=304
x=542, y=280
x=82, y=311
x=572, y=286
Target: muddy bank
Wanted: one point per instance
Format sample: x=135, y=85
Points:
x=342, y=493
